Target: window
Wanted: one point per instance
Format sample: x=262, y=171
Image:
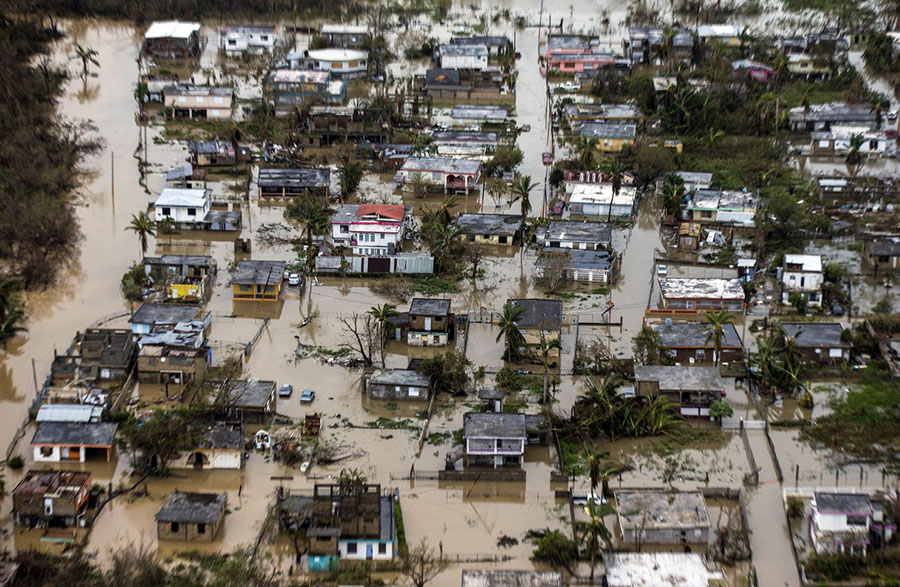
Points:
x=856, y=520
x=701, y=353
x=345, y=229
x=174, y=526
x=46, y=451
x=232, y=42
x=382, y=548
x=201, y=528
x=706, y=214
x=264, y=38
x=166, y=211
x=191, y=211
x=471, y=238
x=351, y=548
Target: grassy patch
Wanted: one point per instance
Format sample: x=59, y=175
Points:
x=684, y=438
x=432, y=285
x=865, y=423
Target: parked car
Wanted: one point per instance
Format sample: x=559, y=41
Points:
x=558, y=208
x=571, y=86
x=662, y=270
x=307, y=396
x=285, y=390
x=295, y=279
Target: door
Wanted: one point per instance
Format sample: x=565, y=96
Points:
x=428, y=324
x=369, y=552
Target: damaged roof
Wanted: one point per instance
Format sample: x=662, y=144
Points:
x=494, y=425
x=490, y=224
x=815, y=334
x=298, y=177
x=579, y=232
x=192, y=508
x=657, y=509
x=546, y=314
x=97, y=434
x=429, y=306
x=694, y=335
x=249, y=272
x=675, y=378
x=701, y=288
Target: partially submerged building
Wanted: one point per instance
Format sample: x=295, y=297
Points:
x=823, y=116
x=398, y=384
x=178, y=356
x=257, y=280
x=345, y=35
x=691, y=343
x=650, y=44
x=194, y=517
x=172, y=39
x=819, y=342
x=370, y=229
x=692, y=389
x=724, y=207
x=541, y=320
x=669, y=569
x=341, y=63
x=598, y=199
x=430, y=322
x=494, y=439
x=490, y=229
x=284, y=184
x=449, y=175
x=591, y=266
x=182, y=277
x=571, y=234
x=186, y=207
x=54, y=442
x=802, y=275
x=840, y=523
x=219, y=445
x=240, y=40
x=293, y=88
x=650, y=516
x=99, y=355
x=496, y=44
x=883, y=254
x=463, y=56
x=198, y=102
x=154, y=316
x=212, y=153
x=253, y=399
x=510, y=578
x=701, y=293
x=51, y=498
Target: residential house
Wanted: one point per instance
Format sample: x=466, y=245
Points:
x=416, y=263
x=496, y=44
x=284, y=184
x=691, y=343
x=51, y=498
x=186, y=207
x=598, y=199
x=341, y=63
x=154, y=317
x=727, y=34
x=691, y=180
x=692, y=389
x=491, y=400
x=579, y=113
x=671, y=569
x=839, y=140
x=650, y=516
x=490, y=229
x=578, y=54
x=755, y=71
x=494, y=439
x=99, y=355
x=347, y=36
x=648, y=45
x=254, y=399
x=219, y=445
x=810, y=66
x=591, y=266
x=351, y=522
x=257, y=280
x=690, y=234
x=733, y=208
x=818, y=342
x=177, y=356
x=823, y=116
x=883, y=254
x=610, y=137
x=461, y=86
x=463, y=56
x=75, y=413
x=541, y=320
x=841, y=523
x=172, y=39
x=451, y=175
x=54, y=442
x=370, y=229
x=430, y=322
x=478, y=116
x=211, y=153
x=194, y=517
x=291, y=88
x=154, y=84
x=802, y=274
x=330, y=124
x=183, y=277
x=198, y=102
x=467, y=144
x=570, y=234
x=510, y=578
x=867, y=193
x=701, y=293
x=236, y=41
x=398, y=384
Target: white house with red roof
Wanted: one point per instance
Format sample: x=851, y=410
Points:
x=370, y=229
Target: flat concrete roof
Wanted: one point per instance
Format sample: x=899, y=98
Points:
x=490, y=224
x=701, y=288
x=399, y=377
x=494, y=425
x=815, y=334
x=657, y=569
x=99, y=434
x=156, y=313
x=251, y=393
x=251, y=272
x=546, y=314
x=674, y=378
x=694, y=335
x=192, y=508
x=510, y=578
x=296, y=177
x=659, y=509
x=579, y=232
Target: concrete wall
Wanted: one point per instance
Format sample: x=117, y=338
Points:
x=188, y=532
x=365, y=550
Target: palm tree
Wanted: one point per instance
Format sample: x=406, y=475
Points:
x=877, y=106
x=597, y=531
x=418, y=185
x=547, y=346
x=143, y=226
x=510, y=330
x=383, y=315
x=714, y=134
x=673, y=194
x=715, y=329
x=615, y=170
x=445, y=237
x=585, y=149
x=312, y=213
x=521, y=189
x=87, y=56
x=854, y=157
x=11, y=325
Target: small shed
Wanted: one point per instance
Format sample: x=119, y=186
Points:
x=194, y=517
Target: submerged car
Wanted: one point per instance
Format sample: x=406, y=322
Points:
x=307, y=396
x=285, y=390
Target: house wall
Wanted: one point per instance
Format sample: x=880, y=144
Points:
x=255, y=292
x=365, y=549
x=398, y=392
x=215, y=459
x=702, y=304
x=154, y=369
x=479, y=62
x=825, y=355
x=323, y=545
x=600, y=209
x=182, y=213
x=438, y=323
x=433, y=338
x=189, y=532
x=56, y=454
x=588, y=275
x=173, y=48
x=614, y=145
x=809, y=283
x=667, y=536
x=683, y=356
x=488, y=239
x=532, y=337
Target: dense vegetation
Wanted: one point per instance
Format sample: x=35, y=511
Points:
x=39, y=157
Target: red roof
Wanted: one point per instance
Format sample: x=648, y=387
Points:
x=394, y=211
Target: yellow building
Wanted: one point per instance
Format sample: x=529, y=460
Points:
x=610, y=137
x=541, y=320
x=257, y=280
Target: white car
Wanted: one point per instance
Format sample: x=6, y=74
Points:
x=295, y=279
x=662, y=270
x=571, y=86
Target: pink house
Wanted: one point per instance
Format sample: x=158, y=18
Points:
x=753, y=70
x=575, y=54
